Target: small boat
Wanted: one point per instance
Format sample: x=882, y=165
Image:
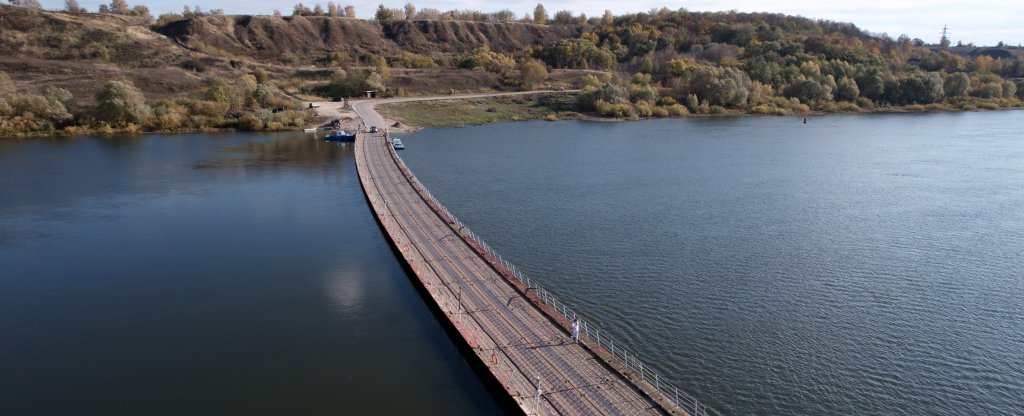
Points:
x=397, y=143
x=340, y=136
x=312, y=130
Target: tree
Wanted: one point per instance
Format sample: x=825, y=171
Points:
x=503, y=16
x=847, y=90
x=121, y=102
x=915, y=88
x=540, y=16
x=563, y=17
x=872, y=84
x=141, y=11
x=350, y=11
x=385, y=75
x=721, y=86
x=332, y=9
x=957, y=85
x=318, y=10
x=31, y=5
x=608, y=19
x=301, y=10
x=384, y=14
x=277, y=13
x=410, y=11
x=119, y=7
x=532, y=73
x=808, y=89
x=59, y=95
x=611, y=93
x=71, y=6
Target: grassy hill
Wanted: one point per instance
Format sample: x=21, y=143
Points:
x=212, y=70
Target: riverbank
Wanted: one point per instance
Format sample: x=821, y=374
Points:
x=483, y=110
x=414, y=115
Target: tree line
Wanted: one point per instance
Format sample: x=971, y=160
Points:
x=248, y=102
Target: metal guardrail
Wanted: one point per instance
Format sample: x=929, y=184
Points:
x=617, y=348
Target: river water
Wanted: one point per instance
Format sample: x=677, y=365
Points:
x=856, y=264
x=209, y=274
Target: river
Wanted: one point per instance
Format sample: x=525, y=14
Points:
x=209, y=274
x=853, y=264
x=856, y=264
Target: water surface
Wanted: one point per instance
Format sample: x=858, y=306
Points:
x=852, y=265
x=209, y=274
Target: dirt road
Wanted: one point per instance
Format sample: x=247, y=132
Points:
x=365, y=111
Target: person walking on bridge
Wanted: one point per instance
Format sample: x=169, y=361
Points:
x=576, y=330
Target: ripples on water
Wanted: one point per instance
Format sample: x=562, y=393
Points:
x=852, y=265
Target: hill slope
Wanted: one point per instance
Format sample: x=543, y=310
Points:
x=300, y=39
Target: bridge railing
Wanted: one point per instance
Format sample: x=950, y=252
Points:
x=616, y=347
x=450, y=303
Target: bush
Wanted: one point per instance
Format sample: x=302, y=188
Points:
x=413, y=61
x=847, y=106
x=622, y=109
x=988, y=105
x=120, y=103
x=488, y=60
x=609, y=93
x=677, y=110
x=532, y=73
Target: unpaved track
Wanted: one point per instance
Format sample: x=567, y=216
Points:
x=364, y=109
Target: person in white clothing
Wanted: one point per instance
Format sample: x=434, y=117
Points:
x=576, y=330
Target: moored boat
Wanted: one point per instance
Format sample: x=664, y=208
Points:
x=397, y=143
x=340, y=136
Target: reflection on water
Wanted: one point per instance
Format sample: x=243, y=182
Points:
x=295, y=152
x=208, y=274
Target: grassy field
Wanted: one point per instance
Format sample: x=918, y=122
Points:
x=556, y=106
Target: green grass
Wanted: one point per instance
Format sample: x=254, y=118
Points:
x=475, y=111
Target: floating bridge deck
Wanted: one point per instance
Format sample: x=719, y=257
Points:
x=520, y=340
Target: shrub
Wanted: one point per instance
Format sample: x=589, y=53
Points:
x=988, y=105
x=677, y=110
x=532, y=73
x=411, y=60
x=847, y=106
x=121, y=103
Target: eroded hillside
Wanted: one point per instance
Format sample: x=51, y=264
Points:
x=308, y=39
